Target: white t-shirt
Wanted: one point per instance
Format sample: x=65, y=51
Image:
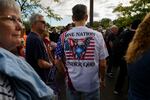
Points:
x=83, y=49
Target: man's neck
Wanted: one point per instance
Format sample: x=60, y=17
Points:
x=79, y=23
x=34, y=31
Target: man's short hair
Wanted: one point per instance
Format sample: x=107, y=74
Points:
x=113, y=26
x=34, y=17
x=79, y=12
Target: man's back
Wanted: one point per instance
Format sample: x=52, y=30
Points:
x=35, y=50
x=85, y=54
x=83, y=49
x=124, y=40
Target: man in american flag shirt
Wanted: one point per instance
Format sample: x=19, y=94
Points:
x=84, y=51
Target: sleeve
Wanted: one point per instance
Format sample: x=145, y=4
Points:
x=59, y=51
x=102, y=48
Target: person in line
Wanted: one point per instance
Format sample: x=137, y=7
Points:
x=137, y=57
x=36, y=51
x=123, y=41
x=85, y=51
x=113, y=35
x=54, y=36
x=18, y=80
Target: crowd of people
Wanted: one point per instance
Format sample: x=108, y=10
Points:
x=71, y=65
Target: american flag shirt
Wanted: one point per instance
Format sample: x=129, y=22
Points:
x=83, y=48
x=59, y=51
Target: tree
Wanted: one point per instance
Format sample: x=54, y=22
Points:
x=136, y=10
x=105, y=22
x=122, y=21
x=27, y=26
x=96, y=24
x=30, y=6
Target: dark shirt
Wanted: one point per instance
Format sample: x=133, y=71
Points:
x=54, y=37
x=124, y=40
x=139, y=78
x=113, y=38
x=110, y=38
x=35, y=50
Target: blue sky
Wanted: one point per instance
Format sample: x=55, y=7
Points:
x=102, y=9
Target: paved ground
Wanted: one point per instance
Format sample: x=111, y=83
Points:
x=107, y=93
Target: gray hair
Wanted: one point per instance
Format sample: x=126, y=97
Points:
x=34, y=17
x=9, y=4
x=113, y=26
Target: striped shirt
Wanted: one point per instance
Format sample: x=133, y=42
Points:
x=6, y=90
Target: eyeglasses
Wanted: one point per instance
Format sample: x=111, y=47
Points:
x=41, y=21
x=11, y=18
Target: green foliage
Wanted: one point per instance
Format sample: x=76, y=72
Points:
x=50, y=13
x=96, y=24
x=123, y=21
x=30, y=6
x=136, y=10
x=105, y=22
x=27, y=26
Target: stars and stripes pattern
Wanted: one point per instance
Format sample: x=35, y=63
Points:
x=86, y=51
x=59, y=50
